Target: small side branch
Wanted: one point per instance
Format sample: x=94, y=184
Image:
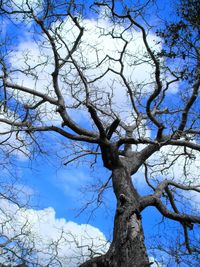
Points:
x=86, y=153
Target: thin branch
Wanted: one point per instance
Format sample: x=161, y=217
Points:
x=81, y=156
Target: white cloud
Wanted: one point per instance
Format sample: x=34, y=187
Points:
x=48, y=239
x=176, y=163
x=155, y=263
x=95, y=45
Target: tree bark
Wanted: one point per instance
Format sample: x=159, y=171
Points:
x=127, y=248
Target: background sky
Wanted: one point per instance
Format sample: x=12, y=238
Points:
x=64, y=188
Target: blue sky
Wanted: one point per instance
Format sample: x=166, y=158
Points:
x=61, y=187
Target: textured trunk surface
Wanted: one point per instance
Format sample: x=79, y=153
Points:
x=127, y=248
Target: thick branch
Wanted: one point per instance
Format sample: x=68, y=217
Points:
x=65, y=134
x=146, y=152
x=61, y=109
x=112, y=128
x=97, y=121
x=183, y=143
x=154, y=200
x=31, y=92
x=183, y=218
x=188, y=106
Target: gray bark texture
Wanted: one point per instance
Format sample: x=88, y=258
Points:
x=127, y=248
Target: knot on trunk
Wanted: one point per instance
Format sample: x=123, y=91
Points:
x=123, y=199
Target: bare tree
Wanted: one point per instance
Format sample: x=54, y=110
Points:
x=66, y=72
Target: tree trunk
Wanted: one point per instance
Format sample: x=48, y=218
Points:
x=127, y=248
